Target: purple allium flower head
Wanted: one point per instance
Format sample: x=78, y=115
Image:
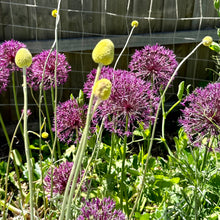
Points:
x=71, y=119
x=154, y=63
x=131, y=98
x=35, y=72
x=201, y=115
x=101, y=210
x=60, y=178
x=8, y=50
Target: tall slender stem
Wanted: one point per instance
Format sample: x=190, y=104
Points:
x=16, y=101
x=112, y=151
x=123, y=188
x=27, y=150
x=116, y=62
x=4, y=130
x=82, y=146
x=55, y=97
x=154, y=128
x=78, y=159
x=97, y=145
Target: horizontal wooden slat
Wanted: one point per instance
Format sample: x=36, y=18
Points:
x=81, y=44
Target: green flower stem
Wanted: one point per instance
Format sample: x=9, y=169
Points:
x=154, y=128
x=69, y=191
x=32, y=94
x=205, y=155
x=48, y=116
x=112, y=151
x=98, y=142
x=26, y=145
x=82, y=145
x=116, y=62
x=164, y=114
x=54, y=105
x=54, y=101
x=10, y=144
x=4, y=130
x=123, y=187
x=40, y=123
x=16, y=101
x=53, y=94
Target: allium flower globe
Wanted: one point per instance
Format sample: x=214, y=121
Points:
x=60, y=179
x=131, y=98
x=35, y=72
x=71, y=119
x=201, y=115
x=155, y=64
x=101, y=210
x=8, y=50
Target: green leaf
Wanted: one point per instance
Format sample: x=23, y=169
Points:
x=216, y=4
x=187, y=89
x=71, y=96
x=147, y=132
x=111, y=182
x=133, y=172
x=164, y=181
x=2, y=192
x=3, y=167
x=145, y=216
x=214, y=216
x=180, y=90
x=80, y=98
x=215, y=46
x=38, y=148
x=135, y=161
x=17, y=157
x=12, y=179
x=33, y=147
x=137, y=215
x=70, y=150
x=137, y=133
x=218, y=32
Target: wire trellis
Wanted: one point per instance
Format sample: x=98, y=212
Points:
x=176, y=24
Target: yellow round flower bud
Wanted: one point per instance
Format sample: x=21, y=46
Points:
x=102, y=89
x=207, y=41
x=44, y=135
x=23, y=58
x=103, y=52
x=54, y=13
x=134, y=23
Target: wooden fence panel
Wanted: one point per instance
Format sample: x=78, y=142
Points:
x=176, y=24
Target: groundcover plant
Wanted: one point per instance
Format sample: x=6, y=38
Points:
x=93, y=159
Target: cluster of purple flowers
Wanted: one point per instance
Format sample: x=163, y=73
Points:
x=60, y=179
x=71, y=118
x=155, y=64
x=201, y=115
x=8, y=50
x=131, y=98
x=101, y=210
x=36, y=70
